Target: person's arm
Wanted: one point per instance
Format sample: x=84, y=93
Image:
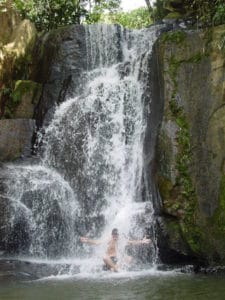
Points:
x=144, y=241
x=86, y=240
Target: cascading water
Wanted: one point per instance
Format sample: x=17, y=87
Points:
x=90, y=179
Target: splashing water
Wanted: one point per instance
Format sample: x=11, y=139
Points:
x=91, y=176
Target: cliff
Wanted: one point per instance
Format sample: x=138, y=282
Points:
x=190, y=151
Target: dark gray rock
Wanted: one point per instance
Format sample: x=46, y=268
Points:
x=59, y=59
x=11, y=270
x=190, y=149
x=15, y=137
x=14, y=231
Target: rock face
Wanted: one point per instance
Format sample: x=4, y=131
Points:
x=15, y=137
x=15, y=61
x=27, y=94
x=18, y=95
x=190, y=155
x=8, y=22
x=59, y=61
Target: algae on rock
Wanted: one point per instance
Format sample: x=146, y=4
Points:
x=190, y=174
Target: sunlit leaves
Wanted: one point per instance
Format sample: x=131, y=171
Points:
x=137, y=18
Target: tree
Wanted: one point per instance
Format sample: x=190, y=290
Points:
x=49, y=14
x=207, y=12
x=149, y=6
x=99, y=7
x=137, y=18
x=159, y=11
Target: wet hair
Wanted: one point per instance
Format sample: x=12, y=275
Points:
x=115, y=231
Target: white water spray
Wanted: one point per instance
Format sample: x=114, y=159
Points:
x=92, y=166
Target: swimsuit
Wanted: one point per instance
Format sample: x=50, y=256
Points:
x=114, y=260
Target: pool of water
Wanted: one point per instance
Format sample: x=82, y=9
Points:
x=149, y=284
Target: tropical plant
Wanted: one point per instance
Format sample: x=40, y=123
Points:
x=206, y=12
x=49, y=14
x=99, y=8
x=137, y=18
x=158, y=10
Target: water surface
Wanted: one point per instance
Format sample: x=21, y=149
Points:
x=161, y=285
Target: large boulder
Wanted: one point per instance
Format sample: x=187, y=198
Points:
x=191, y=145
x=59, y=61
x=13, y=227
x=8, y=22
x=17, y=40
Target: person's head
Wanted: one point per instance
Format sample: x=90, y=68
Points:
x=115, y=233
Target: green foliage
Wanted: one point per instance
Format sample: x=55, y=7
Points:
x=22, y=87
x=204, y=12
x=51, y=14
x=136, y=19
x=5, y=99
x=174, y=37
x=158, y=12
x=208, y=12
x=97, y=11
x=219, y=16
x=2, y=5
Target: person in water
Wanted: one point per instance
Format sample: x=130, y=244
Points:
x=111, y=257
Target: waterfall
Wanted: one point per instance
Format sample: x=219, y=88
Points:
x=91, y=175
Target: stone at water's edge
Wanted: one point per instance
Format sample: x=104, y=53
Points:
x=12, y=269
x=15, y=137
x=190, y=151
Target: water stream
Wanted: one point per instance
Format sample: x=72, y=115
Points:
x=91, y=177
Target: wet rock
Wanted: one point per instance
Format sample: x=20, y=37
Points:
x=216, y=270
x=173, y=249
x=15, y=136
x=190, y=150
x=14, y=231
x=11, y=269
x=59, y=60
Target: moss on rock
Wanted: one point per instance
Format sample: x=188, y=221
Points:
x=194, y=103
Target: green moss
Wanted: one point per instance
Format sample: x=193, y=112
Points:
x=14, y=95
x=186, y=199
x=218, y=219
x=197, y=57
x=205, y=236
x=176, y=37
x=194, y=237
x=174, y=15
x=165, y=187
x=23, y=87
x=174, y=230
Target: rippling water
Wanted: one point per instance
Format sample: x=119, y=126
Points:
x=161, y=285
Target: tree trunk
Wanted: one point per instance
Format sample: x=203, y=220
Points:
x=149, y=5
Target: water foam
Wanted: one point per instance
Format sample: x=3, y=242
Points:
x=92, y=164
